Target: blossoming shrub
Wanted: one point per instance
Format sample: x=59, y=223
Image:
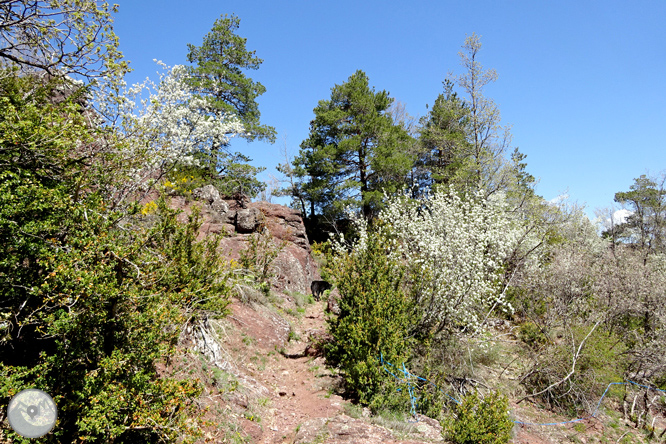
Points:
x=454, y=247
x=165, y=128
x=376, y=319
x=479, y=420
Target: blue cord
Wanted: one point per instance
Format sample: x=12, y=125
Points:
x=408, y=377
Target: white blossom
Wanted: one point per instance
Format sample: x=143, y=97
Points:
x=164, y=122
x=458, y=244
x=178, y=123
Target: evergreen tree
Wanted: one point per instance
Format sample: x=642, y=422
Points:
x=444, y=147
x=355, y=152
x=646, y=226
x=217, y=74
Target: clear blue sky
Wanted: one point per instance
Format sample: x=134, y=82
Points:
x=581, y=82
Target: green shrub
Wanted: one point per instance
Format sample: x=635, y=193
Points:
x=532, y=335
x=376, y=317
x=93, y=298
x=479, y=420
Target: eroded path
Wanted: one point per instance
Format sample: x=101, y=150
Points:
x=290, y=387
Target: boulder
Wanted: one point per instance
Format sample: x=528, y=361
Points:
x=248, y=220
x=208, y=194
x=213, y=205
x=220, y=206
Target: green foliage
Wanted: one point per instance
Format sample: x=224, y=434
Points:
x=376, y=318
x=218, y=76
x=431, y=399
x=91, y=298
x=355, y=152
x=646, y=226
x=532, y=335
x=301, y=300
x=443, y=158
x=479, y=420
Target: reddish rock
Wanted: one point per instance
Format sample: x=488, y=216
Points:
x=294, y=267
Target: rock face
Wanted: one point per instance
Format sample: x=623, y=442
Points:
x=294, y=267
x=247, y=220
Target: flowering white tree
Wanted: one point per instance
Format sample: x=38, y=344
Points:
x=166, y=127
x=177, y=123
x=455, y=247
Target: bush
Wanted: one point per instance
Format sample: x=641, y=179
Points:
x=455, y=246
x=602, y=360
x=375, y=319
x=532, y=335
x=479, y=420
x=92, y=298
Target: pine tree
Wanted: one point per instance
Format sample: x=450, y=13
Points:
x=355, y=152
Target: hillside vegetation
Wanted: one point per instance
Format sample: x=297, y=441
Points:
x=431, y=233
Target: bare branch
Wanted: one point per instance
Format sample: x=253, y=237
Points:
x=574, y=359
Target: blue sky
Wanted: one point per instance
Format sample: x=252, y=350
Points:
x=581, y=82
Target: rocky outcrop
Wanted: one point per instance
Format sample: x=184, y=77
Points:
x=248, y=220
x=238, y=219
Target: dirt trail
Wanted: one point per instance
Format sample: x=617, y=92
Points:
x=303, y=383
x=290, y=396
x=299, y=386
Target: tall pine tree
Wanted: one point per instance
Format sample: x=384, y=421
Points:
x=218, y=74
x=445, y=151
x=355, y=152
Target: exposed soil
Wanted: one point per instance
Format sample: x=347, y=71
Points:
x=299, y=386
x=275, y=388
